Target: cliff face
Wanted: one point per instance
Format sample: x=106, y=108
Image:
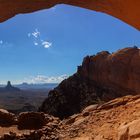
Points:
x=100, y=78
x=126, y=10
x=120, y=69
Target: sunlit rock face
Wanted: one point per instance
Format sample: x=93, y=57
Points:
x=120, y=69
x=126, y=10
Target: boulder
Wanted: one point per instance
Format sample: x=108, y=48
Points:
x=6, y=118
x=31, y=120
x=130, y=131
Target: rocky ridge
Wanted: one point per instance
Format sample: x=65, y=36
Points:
x=28, y=126
x=117, y=119
x=100, y=78
x=114, y=120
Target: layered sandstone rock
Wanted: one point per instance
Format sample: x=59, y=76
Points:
x=117, y=119
x=120, y=69
x=100, y=78
x=6, y=118
x=129, y=131
x=127, y=10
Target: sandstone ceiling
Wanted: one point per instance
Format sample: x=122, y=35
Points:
x=126, y=10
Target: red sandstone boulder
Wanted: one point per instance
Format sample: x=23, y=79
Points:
x=130, y=131
x=31, y=120
x=6, y=118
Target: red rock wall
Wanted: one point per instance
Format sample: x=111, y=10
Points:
x=120, y=69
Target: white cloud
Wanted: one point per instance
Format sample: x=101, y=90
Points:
x=46, y=44
x=5, y=44
x=45, y=79
x=1, y=42
x=36, y=33
x=38, y=41
x=29, y=34
x=35, y=43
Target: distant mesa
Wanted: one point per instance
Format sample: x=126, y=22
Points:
x=36, y=86
x=9, y=88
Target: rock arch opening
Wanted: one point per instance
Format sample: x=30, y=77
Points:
x=71, y=32
x=128, y=10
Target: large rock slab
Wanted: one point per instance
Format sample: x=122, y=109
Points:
x=130, y=131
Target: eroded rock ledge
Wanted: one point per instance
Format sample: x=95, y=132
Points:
x=117, y=119
x=100, y=78
x=128, y=10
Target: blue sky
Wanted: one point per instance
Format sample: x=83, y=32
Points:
x=48, y=45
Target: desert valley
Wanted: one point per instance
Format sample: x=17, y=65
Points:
x=23, y=97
